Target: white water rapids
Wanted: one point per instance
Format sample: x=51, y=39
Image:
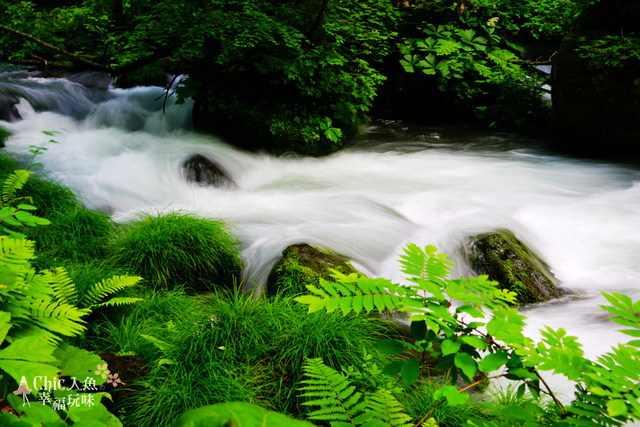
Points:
x=393, y=186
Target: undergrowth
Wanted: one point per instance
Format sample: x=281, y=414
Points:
x=230, y=347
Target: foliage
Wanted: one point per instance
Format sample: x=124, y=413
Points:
x=75, y=234
x=295, y=76
x=240, y=414
x=174, y=249
x=66, y=292
x=471, y=60
x=230, y=348
x=19, y=215
x=607, y=390
x=4, y=135
x=610, y=51
x=34, y=325
x=279, y=80
x=340, y=404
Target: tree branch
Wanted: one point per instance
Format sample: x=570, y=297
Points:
x=71, y=56
x=318, y=21
x=114, y=71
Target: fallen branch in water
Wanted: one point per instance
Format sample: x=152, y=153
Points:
x=114, y=71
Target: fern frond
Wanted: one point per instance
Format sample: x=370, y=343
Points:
x=63, y=319
x=16, y=254
x=427, y=268
x=117, y=301
x=351, y=293
x=333, y=392
x=107, y=287
x=12, y=183
x=163, y=346
x=64, y=290
x=387, y=409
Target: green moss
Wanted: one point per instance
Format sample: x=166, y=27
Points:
x=507, y=260
x=303, y=265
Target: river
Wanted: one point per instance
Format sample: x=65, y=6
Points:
x=396, y=183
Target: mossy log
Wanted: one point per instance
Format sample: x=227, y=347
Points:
x=507, y=260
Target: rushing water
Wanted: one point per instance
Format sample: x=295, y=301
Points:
x=396, y=184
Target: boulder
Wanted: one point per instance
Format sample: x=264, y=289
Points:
x=507, y=260
x=205, y=172
x=598, y=104
x=303, y=265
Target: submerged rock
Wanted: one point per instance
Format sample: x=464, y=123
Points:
x=200, y=169
x=507, y=260
x=303, y=265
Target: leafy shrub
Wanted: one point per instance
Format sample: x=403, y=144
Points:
x=606, y=390
x=175, y=249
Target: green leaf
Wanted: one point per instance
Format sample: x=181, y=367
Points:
x=452, y=395
x=36, y=413
x=616, y=407
x=418, y=330
x=523, y=374
x=449, y=347
x=391, y=347
x=393, y=368
x=410, y=372
x=474, y=341
x=30, y=349
x=493, y=361
x=77, y=362
x=467, y=365
x=4, y=324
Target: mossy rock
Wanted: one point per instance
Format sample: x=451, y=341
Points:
x=303, y=265
x=507, y=260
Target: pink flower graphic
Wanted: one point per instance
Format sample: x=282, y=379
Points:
x=114, y=380
x=103, y=371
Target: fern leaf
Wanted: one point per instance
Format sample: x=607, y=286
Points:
x=107, y=287
x=117, y=301
x=63, y=319
x=64, y=290
x=16, y=253
x=12, y=183
x=159, y=344
x=333, y=392
x=350, y=294
x=388, y=410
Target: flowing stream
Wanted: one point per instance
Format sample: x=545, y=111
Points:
x=395, y=184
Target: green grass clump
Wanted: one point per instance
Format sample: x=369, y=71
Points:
x=75, y=234
x=233, y=347
x=4, y=135
x=176, y=248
